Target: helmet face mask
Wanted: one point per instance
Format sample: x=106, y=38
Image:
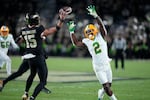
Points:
x=4, y=31
x=90, y=31
x=32, y=18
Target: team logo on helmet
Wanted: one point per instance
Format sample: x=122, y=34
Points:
x=90, y=31
x=32, y=18
x=4, y=31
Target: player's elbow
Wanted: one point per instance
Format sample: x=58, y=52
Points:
x=48, y=31
x=79, y=44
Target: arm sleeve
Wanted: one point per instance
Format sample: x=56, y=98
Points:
x=13, y=43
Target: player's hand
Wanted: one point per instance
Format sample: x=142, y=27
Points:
x=92, y=11
x=64, y=11
x=71, y=26
x=62, y=14
x=42, y=36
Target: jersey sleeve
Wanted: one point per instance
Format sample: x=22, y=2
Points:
x=13, y=42
x=84, y=40
x=41, y=29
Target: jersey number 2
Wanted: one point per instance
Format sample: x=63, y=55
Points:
x=97, y=48
x=30, y=41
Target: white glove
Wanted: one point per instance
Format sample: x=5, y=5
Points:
x=92, y=11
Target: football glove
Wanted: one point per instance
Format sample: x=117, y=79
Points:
x=92, y=11
x=71, y=26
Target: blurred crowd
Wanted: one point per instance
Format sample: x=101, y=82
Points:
x=130, y=19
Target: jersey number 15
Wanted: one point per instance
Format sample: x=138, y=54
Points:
x=30, y=41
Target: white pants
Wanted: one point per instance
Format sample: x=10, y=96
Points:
x=4, y=58
x=103, y=73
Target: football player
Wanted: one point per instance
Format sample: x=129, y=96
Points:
x=34, y=56
x=95, y=41
x=6, y=40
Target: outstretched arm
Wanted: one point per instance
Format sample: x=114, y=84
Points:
x=71, y=26
x=52, y=30
x=92, y=12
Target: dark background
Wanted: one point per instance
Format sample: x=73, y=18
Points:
x=131, y=18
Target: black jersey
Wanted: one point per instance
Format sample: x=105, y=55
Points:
x=33, y=40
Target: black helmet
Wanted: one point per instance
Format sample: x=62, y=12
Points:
x=32, y=18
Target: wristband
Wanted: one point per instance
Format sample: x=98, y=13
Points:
x=62, y=20
x=96, y=16
x=72, y=32
x=57, y=27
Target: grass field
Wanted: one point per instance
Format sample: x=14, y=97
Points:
x=133, y=83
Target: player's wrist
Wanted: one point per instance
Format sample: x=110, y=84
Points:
x=97, y=17
x=57, y=27
x=61, y=20
x=71, y=32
